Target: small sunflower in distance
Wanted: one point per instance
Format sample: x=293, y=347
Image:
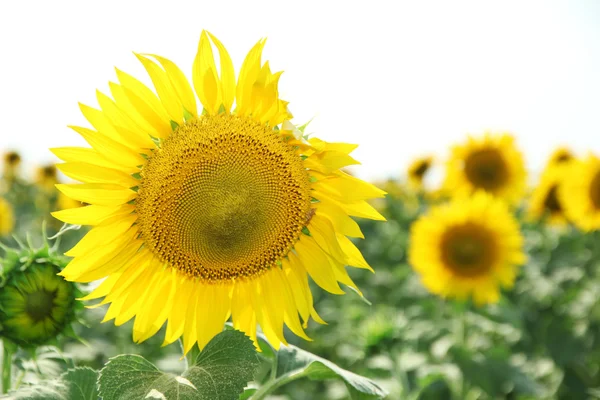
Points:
x=200, y=215
x=580, y=193
x=545, y=200
x=467, y=248
x=46, y=177
x=7, y=217
x=12, y=163
x=417, y=171
x=560, y=156
x=491, y=163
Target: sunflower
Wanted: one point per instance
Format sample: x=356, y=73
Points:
x=7, y=217
x=560, y=155
x=491, y=163
x=12, y=161
x=417, y=171
x=468, y=247
x=580, y=194
x=36, y=305
x=46, y=177
x=199, y=215
x=545, y=199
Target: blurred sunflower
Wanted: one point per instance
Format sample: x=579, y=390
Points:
x=545, y=200
x=12, y=162
x=200, y=215
x=469, y=247
x=36, y=305
x=560, y=156
x=7, y=218
x=417, y=171
x=491, y=163
x=580, y=193
x=46, y=177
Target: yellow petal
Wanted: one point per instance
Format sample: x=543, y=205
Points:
x=227, y=75
x=90, y=156
x=101, y=194
x=205, y=77
x=316, y=264
x=89, y=173
x=180, y=84
x=166, y=92
x=92, y=215
x=110, y=149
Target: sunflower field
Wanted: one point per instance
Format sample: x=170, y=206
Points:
x=206, y=246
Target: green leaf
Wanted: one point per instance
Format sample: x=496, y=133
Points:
x=221, y=372
x=293, y=360
x=75, y=384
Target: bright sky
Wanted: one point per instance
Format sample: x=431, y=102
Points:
x=399, y=78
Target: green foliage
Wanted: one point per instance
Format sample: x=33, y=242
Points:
x=220, y=372
x=74, y=384
x=291, y=362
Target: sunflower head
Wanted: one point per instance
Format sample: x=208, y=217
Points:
x=12, y=161
x=467, y=248
x=36, y=304
x=417, y=171
x=580, y=193
x=202, y=213
x=545, y=200
x=7, y=217
x=491, y=163
x=46, y=176
x=560, y=155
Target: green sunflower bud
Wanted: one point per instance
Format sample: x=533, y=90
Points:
x=36, y=305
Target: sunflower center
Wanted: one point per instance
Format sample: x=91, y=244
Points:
x=551, y=202
x=39, y=304
x=468, y=249
x=595, y=191
x=223, y=197
x=486, y=169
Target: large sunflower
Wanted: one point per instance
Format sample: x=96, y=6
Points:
x=203, y=215
x=580, y=193
x=545, y=200
x=491, y=163
x=468, y=247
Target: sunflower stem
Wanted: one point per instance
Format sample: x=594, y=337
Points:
x=270, y=386
x=7, y=354
x=192, y=355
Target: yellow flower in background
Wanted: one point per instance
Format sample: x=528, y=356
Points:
x=417, y=171
x=545, y=200
x=12, y=162
x=46, y=177
x=200, y=215
x=580, y=193
x=560, y=156
x=491, y=163
x=7, y=218
x=467, y=248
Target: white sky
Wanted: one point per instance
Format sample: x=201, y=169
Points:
x=399, y=78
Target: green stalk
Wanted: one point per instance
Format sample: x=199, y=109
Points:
x=191, y=356
x=272, y=385
x=6, y=368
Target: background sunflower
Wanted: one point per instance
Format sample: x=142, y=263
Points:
x=491, y=163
